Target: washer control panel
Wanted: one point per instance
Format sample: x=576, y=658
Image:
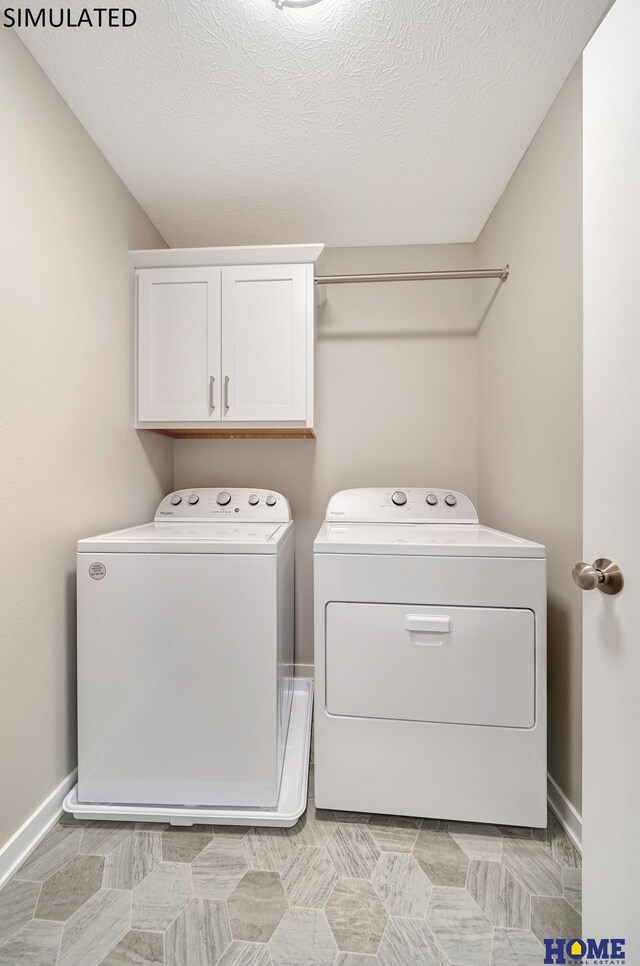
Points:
x=404, y=504
x=233, y=503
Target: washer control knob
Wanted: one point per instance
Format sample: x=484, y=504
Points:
x=399, y=498
x=254, y=499
x=193, y=499
x=451, y=500
x=176, y=499
x=432, y=499
x=223, y=498
x=271, y=500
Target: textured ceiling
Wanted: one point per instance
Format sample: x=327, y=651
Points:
x=352, y=122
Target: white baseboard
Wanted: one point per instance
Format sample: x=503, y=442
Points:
x=20, y=845
x=567, y=815
x=304, y=671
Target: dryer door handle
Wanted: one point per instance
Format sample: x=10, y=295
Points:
x=427, y=624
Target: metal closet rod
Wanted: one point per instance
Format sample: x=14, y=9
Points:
x=500, y=273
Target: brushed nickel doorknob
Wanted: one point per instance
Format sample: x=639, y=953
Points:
x=603, y=574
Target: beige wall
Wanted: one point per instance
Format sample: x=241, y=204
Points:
x=396, y=402
x=71, y=464
x=530, y=394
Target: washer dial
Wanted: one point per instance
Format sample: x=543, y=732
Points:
x=223, y=498
x=399, y=498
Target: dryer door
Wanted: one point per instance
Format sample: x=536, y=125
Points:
x=459, y=665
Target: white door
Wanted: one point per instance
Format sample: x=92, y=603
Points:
x=264, y=342
x=611, y=807
x=179, y=344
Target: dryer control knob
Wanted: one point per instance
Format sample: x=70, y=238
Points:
x=271, y=500
x=193, y=499
x=254, y=499
x=450, y=500
x=399, y=498
x=432, y=499
x=223, y=498
x=176, y=499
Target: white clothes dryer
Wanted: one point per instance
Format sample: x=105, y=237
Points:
x=430, y=661
x=185, y=660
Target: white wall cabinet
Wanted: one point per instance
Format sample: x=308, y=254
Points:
x=226, y=341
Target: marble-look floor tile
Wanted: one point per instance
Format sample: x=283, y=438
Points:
x=500, y=896
x=231, y=831
x=516, y=947
x=151, y=826
x=514, y=831
x=161, y=896
x=219, y=868
x=356, y=916
x=460, y=927
x=478, y=841
x=402, y=885
x=35, y=945
x=67, y=819
x=199, y=935
x=434, y=824
x=131, y=861
x=137, y=949
x=554, y=917
x=267, y=848
x=245, y=954
x=321, y=822
x=70, y=887
x=95, y=928
x=256, y=906
x=558, y=844
x=57, y=847
x=185, y=844
x=408, y=942
x=100, y=838
x=572, y=887
x=303, y=938
x=393, y=833
x=352, y=818
x=17, y=904
x=302, y=833
x=356, y=959
x=308, y=877
x=442, y=860
x=533, y=867
x=353, y=850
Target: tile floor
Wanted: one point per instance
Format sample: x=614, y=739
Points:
x=337, y=890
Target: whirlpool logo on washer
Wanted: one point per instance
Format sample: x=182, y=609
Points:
x=97, y=570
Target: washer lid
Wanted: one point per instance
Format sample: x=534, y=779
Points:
x=171, y=537
x=428, y=539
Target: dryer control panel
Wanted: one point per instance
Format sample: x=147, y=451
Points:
x=401, y=504
x=224, y=503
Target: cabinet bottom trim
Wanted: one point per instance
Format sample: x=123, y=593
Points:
x=235, y=433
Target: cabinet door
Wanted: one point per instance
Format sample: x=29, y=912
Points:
x=264, y=342
x=179, y=344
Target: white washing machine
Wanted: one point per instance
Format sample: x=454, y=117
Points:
x=185, y=659
x=430, y=661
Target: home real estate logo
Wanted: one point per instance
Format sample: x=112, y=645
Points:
x=595, y=952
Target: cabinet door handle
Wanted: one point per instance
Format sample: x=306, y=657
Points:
x=226, y=393
x=212, y=393
x=427, y=624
